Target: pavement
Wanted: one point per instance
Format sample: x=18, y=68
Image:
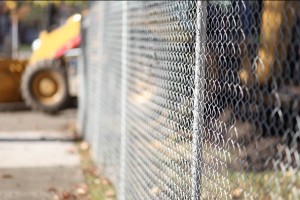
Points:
x=38, y=159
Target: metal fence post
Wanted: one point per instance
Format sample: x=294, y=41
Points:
x=97, y=128
x=198, y=98
x=123, y=103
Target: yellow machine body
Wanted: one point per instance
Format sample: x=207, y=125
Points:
x=272, y=24
x=10, y=76
x=56, y=43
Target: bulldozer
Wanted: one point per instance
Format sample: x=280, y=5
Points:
x=43, y=80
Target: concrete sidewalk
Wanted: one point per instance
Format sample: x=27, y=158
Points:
x=35, y=169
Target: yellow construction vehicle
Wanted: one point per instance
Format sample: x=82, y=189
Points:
x=10, y=76
x=259, y=78
x=277, y=17
x=42, y=81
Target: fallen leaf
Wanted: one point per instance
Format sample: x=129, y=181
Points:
x=52, y=189
x=97, y=181
x=84, y=146
x=155, y=190
x=93, y=171
x=7, y=176
x=66, y=195
x=55, y=197
x=105, y=181
x=82, y=189
x=237, y=193
x=288, y=173
x=110, y=194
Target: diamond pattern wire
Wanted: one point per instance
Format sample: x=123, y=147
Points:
x=109, y=87
x=161, y=60
x=82, y=78
x=104, y=86
x=92, y=49
x=212, y=98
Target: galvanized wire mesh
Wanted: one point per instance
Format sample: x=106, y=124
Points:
x=104, y=86
x=211, y=103
x=160, y=77
x=92, y=50
x=82, y=78
x=109, y=86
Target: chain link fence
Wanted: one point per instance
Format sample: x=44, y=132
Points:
x=194, y=99
x=100, y=105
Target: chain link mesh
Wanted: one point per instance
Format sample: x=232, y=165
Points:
x=109, y=86
x=90, y=49
x=103, y=51
x=161, y=58
x=212, y=98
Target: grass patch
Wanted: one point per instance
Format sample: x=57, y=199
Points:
x=25, y=47
x=268, y=184
x=99, y=187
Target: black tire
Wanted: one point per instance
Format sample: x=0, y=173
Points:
x=29, y=86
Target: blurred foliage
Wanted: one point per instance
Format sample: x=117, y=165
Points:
x=33, y=15
x=13, y=4
x=44, y=3
x=34, y=8
x=30, y=10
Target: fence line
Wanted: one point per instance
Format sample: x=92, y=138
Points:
x=123, y=112
x=193, y=99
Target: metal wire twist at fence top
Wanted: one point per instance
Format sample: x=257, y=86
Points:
x=194, y=99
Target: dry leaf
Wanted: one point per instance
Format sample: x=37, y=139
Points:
x=237, y=193
x=93, y=171
x=81, y=191
x=55, y=197
x=155, y=190
x=110, y=193
x=105, y=181
x=66, y=195
x=84, y=146
x=288, y=173
x=52, y=189
x=97, y=181
x=7, y=176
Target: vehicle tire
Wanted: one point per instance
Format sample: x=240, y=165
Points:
x=44, y=86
